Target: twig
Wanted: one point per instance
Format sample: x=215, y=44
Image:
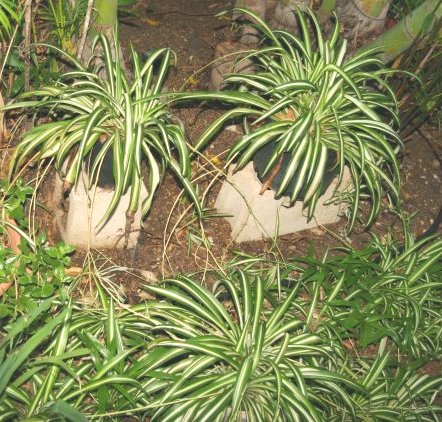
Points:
x=27, y=37
x=27, y=49
x=271, y=176
x=87, y=21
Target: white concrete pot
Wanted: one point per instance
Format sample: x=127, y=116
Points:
x=85, y=209
x=284, y=16
x=226, y=61
x=255, y=216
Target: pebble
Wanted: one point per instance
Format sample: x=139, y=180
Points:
x=149, y=276
x=318, y=231
x=435, y=164
x=405, y=195
x=232, y=128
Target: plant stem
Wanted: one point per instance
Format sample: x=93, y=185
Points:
x=105, y=16
x=396, y=40
x=271, y=176
x=27, y=40
x=87, y=21
x=27, y=51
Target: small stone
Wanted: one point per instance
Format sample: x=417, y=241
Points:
x=406, y=195
x=149, y=276
x=232, y=128
x=318, y=231
x=435, y=164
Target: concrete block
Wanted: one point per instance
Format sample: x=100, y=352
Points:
x=255, y=216
x=227, y=60
x=78, y=225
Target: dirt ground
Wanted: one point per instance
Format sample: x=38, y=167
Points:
x=171, y=240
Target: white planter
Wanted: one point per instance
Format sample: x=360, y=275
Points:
x=255, y=216
x=85, y=209
x=226, y=61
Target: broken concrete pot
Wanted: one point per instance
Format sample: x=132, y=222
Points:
x=284, y=16
x=250, y=34
x=85, y=209
x=261, y=159
x=228, y=59
x=361, y=24
x=255, y=216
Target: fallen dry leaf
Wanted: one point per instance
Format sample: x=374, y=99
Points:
x=149, y=276
x=151, y=21
x=145, y=296
x=13, y=237
x=4, y=287
x=73, y=271
x=193, y=81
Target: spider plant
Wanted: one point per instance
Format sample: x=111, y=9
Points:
x=127, y=118
x=311, y=101
x=192, y=355
x=66, y=360
x=381, y=291
x=10, y=16
x=216, y=361
x=395, y=393
x=65, y=19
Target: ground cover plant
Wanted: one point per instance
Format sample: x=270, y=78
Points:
x=395, y=393
x=236, y=351
x=344, y=335
x=38, y=271
x=64, y=360
x=377, y=293
x=385, y=292
x=34, y=270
